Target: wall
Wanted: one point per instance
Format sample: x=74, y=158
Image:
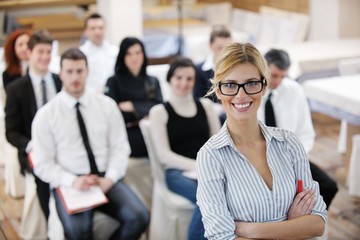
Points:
x=300, y=6
x=123, y=18
x=349, y=16
x=333, y=19
x=324, y=16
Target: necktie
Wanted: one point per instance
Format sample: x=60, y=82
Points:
x=85, y=138
x=269, y=113
x=43, y=90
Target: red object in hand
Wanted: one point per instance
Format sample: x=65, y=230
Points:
x=31, y=163
x=299, y=186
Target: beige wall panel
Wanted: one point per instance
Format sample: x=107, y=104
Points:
x=300, y=6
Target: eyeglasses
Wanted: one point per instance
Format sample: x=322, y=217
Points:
x=250, y=88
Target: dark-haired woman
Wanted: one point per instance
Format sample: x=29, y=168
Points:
x=133, y=90
x=182, y=125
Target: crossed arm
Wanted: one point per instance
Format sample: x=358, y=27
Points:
x=299, y=225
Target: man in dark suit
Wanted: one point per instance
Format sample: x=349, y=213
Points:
x=24, y=97
x=220, y=37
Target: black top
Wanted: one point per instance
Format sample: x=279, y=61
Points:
x=144, y=93
x=8, y=78
x=187, y=135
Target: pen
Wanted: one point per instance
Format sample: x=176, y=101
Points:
x=299, y=186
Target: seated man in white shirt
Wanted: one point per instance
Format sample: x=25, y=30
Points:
x=101, y=55
x=68, y=154
x=291, y=111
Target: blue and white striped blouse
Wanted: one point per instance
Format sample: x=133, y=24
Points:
x=230, y=189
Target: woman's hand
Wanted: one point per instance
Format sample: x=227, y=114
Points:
x=242, y=229
x=246, y=230
x=302, y=204
x=126, y=106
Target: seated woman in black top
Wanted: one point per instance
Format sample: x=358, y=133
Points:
x=133, y=90
x=16, y=55
x=181, y=126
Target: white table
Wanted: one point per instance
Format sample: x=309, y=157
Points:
x=319, y=55
x=339, y=97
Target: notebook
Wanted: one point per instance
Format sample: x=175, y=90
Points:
x=76, y=201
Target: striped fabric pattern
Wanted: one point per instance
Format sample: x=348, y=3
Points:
x=230, y=188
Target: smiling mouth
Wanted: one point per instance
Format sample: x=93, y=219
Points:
x=242, y=106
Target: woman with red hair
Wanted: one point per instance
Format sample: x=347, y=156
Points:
x=16, y=55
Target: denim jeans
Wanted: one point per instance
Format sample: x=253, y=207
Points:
x=123, y=206
x=186, y=187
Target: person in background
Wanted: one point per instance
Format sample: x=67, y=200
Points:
x=24, y=97
x=100, y=53
x=220, y=37
x=291, y=112
x=134, y=91
x=181, y=126
x=16, y=55
x=80, y=141
x=248, y=173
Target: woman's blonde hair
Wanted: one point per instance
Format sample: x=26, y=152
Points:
x=235, y=54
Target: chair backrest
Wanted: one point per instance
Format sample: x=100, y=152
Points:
x=279, y=26
x=160, y=71
x=156, y=167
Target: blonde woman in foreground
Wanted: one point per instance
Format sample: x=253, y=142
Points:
x=248, y=173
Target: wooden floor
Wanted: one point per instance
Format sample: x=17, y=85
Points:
x=344, y=212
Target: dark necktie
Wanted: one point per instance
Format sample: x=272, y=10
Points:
x=85, y=138
x=269, y=113
x=43, y=90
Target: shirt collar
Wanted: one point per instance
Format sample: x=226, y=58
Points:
x=90, y=44
x=209, y=63
x=271, y=132
x=223, y=138
x=276, y=91
x=36, y=79
x=71, y=101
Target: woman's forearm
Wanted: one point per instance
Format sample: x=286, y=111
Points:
x=299, y=228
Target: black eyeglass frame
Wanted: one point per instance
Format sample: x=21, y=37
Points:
x=242, y=85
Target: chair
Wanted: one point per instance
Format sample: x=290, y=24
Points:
x=33, y=222
x=14, y=181
x=346, y=67
x=159, y=71
x=171, y=213
x=138, y=177
x=354, y=177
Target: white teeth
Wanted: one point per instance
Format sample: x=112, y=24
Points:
x=242, y=105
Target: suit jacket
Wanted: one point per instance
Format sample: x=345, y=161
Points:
x=202, y=83
x=8, y=78
x=20, y=111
